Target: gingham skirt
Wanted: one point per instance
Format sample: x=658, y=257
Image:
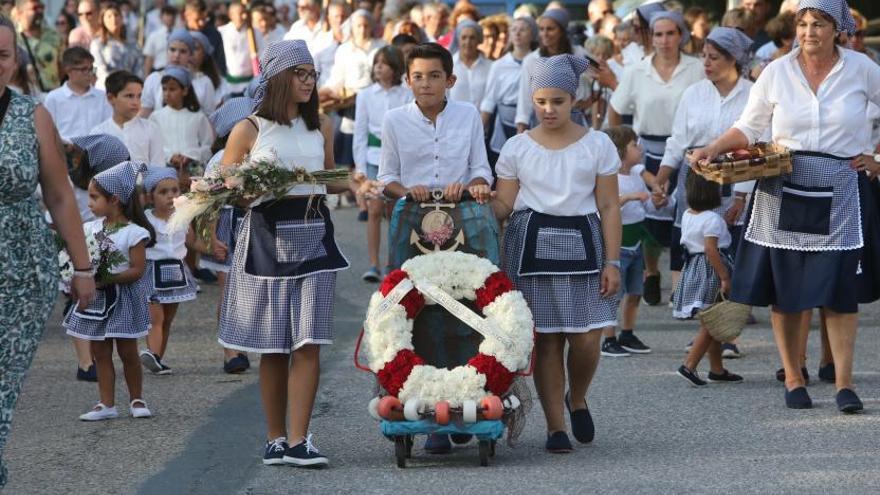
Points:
x=170, y=296
x=274, y=315
x=559, y=303
x=228, y=224
x=699, y=285
x=129, y=319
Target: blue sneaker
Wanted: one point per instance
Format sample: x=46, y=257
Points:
x=89, y=375
x=236, y=365
x=304, y=454
x=274, y=452
x=438, y=444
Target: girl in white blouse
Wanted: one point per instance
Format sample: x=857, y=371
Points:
x=186, y=132
x=650, y=90
x=502, y=86
x=808, y=235
x=558, y=180
x=371, y=105
x=470, y=67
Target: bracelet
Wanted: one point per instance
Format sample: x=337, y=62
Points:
x=83, y=274
x=614, y=263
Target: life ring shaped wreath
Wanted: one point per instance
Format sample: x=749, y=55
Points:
x=445, y=278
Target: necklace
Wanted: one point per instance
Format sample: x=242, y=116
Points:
x=821, y=70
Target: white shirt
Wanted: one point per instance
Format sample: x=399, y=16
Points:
x=703, y=115
x=294, y=146
x=142, y=138
x=300, y=31
x=371, y=104
x=524, y=109
x=417, y=152
x=833, y=122
x=632, y=53
x=123, y=239
x=695, y=227
x=169, y=244
x=184, y=132
x=557, y=182
x=264, y=40
x=766, y=51
x=632, y=211
x=151, y=97
x=651, y=101
x=237, y=50
x=353, y=66
x=75, y=115
x=502, y=84
x=156, y=46
x=470, y=84
x=325, y=55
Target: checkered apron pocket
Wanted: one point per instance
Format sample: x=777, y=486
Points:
x=298, y=242
x=560, y=245
x=101, y=307
x=169, y=275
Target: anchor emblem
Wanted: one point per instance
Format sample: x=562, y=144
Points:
x=437, y=227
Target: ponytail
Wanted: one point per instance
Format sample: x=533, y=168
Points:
x=134, y=212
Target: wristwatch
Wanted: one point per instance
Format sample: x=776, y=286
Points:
x=615, y=263
x=877, y=158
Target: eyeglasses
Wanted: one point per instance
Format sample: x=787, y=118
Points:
x=85, y=13
x=304, y=75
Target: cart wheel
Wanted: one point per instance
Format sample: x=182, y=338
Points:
x=492, y=407
x=492, y=448
x=469, y=411
x=400, y=450
x=411, y=410
x=374, y=409
x=389, y=407
x=485, y=452
x=441, y=413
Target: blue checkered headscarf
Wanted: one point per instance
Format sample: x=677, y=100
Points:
x=183, y=36
x=671, y=15
x=560, y=16
x=230, y=113
x=154, y=175
x=121, y=179
x=104, y=150
x=734, y=42
x=647, y=10
x=204, y=41
x=559, y=71
x=837, y=9
x=179, y=74
x=278, y=57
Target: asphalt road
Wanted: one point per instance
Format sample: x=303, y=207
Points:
x=655, y=434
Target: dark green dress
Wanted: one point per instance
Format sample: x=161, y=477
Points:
x=28, y=258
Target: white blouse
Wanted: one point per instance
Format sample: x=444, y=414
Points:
x=524, y=108
x=353, y=66
x=502, y=84
x=123, y=239
x=652, y=101
x=832, y=121
x=557, y=182
x=695, y=227
x=184, y=132
x=470, y=83
x=152, y=98
x=703, y=115
x=169, y=244
x=294, y=146
x=371, y=105
x=632, y=211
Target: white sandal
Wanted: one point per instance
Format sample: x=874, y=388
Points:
x=99, y=413
x=139, y=412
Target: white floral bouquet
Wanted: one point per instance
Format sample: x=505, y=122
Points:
x=103, y=255
x=255, y=177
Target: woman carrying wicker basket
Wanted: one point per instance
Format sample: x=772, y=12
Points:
x=803, y=245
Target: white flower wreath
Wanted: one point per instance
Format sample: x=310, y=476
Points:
x=446, y=277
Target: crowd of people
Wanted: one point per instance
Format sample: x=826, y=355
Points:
x=566, y=128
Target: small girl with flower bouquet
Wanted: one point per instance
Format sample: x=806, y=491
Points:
x=120, y=313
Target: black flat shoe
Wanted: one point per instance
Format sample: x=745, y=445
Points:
x=651, y=290
x=827, y=374
x=780, y=375
x=848, y=402
x=798, y=399
x=558, y=443
x=582, y=426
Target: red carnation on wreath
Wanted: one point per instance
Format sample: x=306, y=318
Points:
x=394, y=374
x=498, y=378
x=413, y=301
x=495, y=285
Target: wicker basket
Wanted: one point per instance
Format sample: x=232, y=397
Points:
x=773, y=160
x=725, y=320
